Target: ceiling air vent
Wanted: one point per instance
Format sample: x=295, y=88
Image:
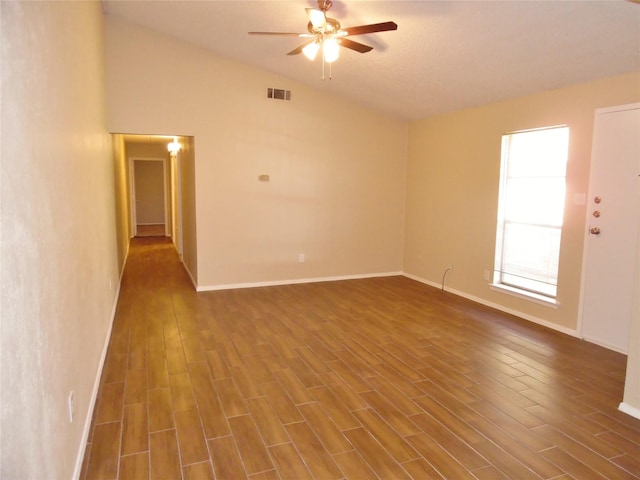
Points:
x=279, y=94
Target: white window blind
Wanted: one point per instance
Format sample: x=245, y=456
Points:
x=531, y=208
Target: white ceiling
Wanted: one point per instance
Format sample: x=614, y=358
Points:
x=445, y=55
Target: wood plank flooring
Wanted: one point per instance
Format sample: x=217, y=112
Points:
x=376, y=378
x=155, y=230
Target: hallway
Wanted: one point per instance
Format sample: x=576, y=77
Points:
x=372, y=378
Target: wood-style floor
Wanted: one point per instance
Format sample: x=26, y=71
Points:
x=377, y=378
x=155, y=230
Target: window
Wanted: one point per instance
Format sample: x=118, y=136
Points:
x=530, y=211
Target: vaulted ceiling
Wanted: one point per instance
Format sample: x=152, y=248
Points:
x=445, y=55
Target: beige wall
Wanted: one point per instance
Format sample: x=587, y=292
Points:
x=188, y=198
x=452, y=191
x=122, y=198
x=59, y=255
x=337, y=171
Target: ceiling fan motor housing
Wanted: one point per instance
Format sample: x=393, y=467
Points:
x=324, y=5
x=330, y=26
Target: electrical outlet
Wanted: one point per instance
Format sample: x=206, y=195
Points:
x=301, y=258
x=71, y=406
x=486, y=275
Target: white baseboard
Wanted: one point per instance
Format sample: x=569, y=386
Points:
x=208, y=288
x=96, y=385
x=629, y=410
x=502, y=308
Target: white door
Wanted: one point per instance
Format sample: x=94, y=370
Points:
x=149, y=185
x=613, y=206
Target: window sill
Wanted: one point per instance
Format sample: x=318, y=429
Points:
x=524, y=295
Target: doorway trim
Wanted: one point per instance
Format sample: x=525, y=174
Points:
x=175, y=167
x=132, y=192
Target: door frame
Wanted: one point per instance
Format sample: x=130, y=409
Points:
x=176, y=200
x=132, y=192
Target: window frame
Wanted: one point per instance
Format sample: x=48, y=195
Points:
x=498, y=282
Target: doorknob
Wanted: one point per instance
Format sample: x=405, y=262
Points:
x=594, y=230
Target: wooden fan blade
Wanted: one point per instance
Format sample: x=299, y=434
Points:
x=358, y=47
x=298, y=50
x=372, y=28
x=290, y=34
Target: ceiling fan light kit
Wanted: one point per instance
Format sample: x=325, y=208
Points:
x=316, y=17
x=331, y=50
x=328, y=36
x=311, y=50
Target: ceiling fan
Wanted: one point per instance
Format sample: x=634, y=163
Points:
x=326, y=35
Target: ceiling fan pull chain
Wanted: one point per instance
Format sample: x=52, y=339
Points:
x=322, y=53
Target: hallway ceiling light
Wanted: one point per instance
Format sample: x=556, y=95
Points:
x=174, y=147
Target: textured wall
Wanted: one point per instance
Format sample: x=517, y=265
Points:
x=122, y=197
x=59, y=254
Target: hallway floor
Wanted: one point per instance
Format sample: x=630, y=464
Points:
x=155, y=230
x=361, y=379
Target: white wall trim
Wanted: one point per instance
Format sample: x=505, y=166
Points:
x=502, y=308
x=629, y=410
x=96, y=384
x=208, y=288
x=527, y=296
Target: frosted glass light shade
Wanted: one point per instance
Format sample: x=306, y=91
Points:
x=316, y=17
x=331, y=50
x=311, y=50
